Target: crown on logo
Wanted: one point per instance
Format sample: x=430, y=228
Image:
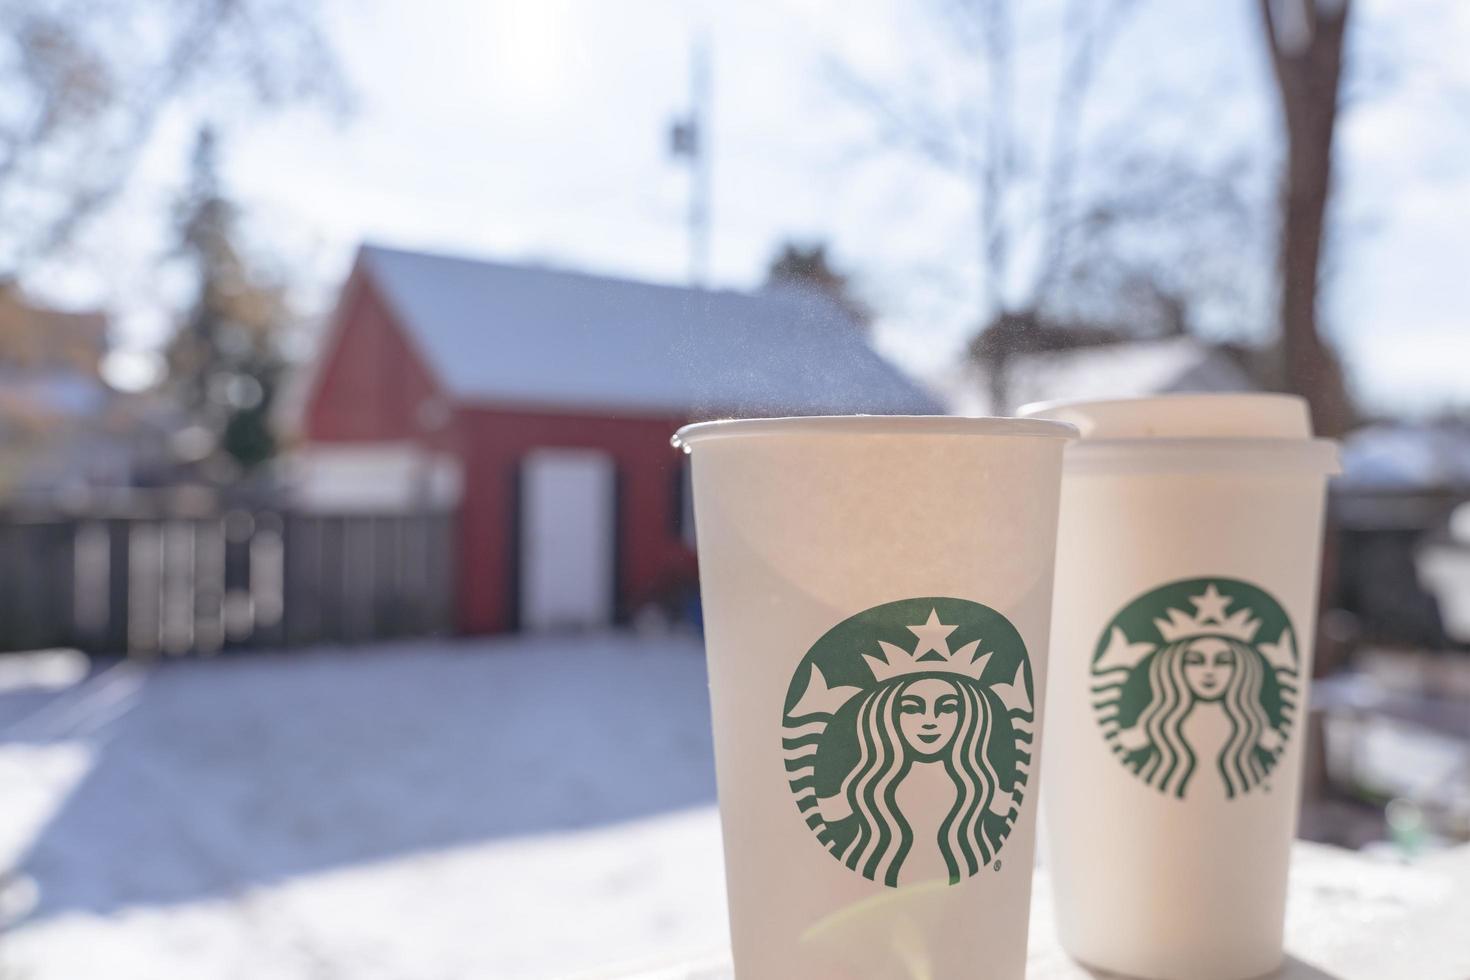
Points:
x=931, y=654
x=1209, y=619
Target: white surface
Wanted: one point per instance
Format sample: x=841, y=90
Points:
x=539, y=336
x=801, y=527
x=373, y=477
x=1202, y=879
x=1192, y=433
x=525, y=809
x=1347, y=918
x=567, y=539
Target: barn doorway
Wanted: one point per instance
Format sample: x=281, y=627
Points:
x=568, y=539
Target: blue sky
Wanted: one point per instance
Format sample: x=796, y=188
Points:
x=536, y=130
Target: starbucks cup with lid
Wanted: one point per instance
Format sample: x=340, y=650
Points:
x=877, y=595
x=1186, y=596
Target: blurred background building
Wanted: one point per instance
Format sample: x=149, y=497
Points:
x=540, y=404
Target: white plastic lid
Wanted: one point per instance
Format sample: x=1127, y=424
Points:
x=1213, y=416
x=1263, y=432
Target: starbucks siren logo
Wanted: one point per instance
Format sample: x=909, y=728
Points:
x=1197, y=680
x=907, y=739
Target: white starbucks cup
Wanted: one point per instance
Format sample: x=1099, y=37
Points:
x=1186, y=596
x=877, y=596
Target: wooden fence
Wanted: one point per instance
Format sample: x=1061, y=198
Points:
x=170, y=585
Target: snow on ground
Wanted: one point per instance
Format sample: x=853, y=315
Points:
x=516, y=808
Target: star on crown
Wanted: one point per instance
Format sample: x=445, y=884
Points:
x=1209, y=619
x=931, y=654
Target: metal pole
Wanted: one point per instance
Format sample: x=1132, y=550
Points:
x=699, y=161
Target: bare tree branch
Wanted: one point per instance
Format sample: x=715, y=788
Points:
x=87, y=82
x=1106, y=216
x=900, y=122
x=1088, y=51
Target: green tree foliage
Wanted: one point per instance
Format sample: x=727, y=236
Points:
x=224, y=362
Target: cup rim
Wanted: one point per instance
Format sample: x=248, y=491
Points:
x=934, y=425
x=1177, y=415
x=1244, y=456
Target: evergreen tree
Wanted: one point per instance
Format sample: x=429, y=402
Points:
x=224, y=360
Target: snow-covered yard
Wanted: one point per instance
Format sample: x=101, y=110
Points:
x=515, y=808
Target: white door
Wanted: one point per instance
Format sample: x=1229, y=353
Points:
x=568, y=535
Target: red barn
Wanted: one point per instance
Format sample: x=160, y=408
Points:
x=546, y=399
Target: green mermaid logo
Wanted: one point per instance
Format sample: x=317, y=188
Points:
x=1198, y=676
x=907, y=739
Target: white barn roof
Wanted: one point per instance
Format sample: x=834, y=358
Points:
x=528, y=335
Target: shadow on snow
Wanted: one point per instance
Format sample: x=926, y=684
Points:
x=225, y=775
